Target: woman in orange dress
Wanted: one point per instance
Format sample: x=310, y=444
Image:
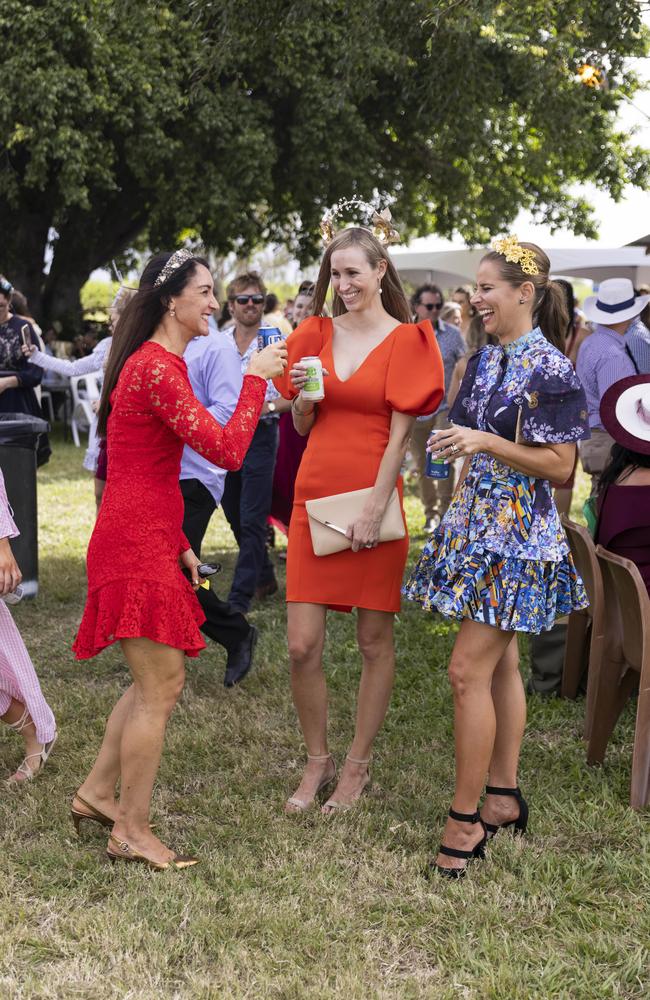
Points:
x=383, y=371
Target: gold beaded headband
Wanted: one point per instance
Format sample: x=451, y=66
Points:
x=380, y=222
x=510, y=248
x=177, y=259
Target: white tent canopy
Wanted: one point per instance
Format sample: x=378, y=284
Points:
x=447, y=266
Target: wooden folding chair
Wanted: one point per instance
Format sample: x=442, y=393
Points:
x=626, y=659
x=585, y=634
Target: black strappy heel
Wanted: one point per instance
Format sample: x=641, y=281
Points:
x=520, y=823
x=477, y=852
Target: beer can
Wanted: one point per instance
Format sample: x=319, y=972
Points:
x=436, y=468
x=268, y=335
x=314, y=387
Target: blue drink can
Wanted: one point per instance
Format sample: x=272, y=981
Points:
x=436, y=468
x=268, y=335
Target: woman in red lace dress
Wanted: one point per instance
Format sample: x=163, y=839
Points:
x=137, y=593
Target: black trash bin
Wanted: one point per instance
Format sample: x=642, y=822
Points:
x=19, y=434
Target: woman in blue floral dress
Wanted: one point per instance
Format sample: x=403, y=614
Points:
x=499, y=562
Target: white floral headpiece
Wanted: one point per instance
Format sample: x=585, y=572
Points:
x=380, y=222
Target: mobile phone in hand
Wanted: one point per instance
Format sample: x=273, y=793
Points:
x=25, y=335
x=208, y=569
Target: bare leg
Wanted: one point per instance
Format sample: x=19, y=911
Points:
x=375, y=638
x=158, y=673
x=13, y=714
x=510, y=709
x=99, y=787
x=306, y=636
x=477, y=650
x=138, y=725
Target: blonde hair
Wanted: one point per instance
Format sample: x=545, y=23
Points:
x=393, y=295
x=123, y=296
x=449, y=310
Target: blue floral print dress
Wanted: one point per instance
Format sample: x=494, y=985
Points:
x=500, y=555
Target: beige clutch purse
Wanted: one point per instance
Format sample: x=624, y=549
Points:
x=329, y=518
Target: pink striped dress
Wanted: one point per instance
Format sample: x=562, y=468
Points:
x=17, y=675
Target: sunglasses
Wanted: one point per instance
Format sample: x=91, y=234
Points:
x=430, y=305
x=243, y=300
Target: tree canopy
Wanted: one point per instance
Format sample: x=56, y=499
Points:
x=125, y=124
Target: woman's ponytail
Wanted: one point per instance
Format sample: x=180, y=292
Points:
x=551, y=315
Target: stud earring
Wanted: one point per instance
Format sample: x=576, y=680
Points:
x=522, y=302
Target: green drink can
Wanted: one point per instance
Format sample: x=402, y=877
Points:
x=314, y=387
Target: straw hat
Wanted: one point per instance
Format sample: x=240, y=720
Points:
x=615, y=302
x=625, y=412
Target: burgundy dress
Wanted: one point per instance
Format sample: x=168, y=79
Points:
x=624, y=525
x=287, y=463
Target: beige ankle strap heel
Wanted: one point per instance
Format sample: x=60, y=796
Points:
x=335, y=805
x=296, y=805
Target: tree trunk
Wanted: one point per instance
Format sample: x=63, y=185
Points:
x=86, y=242
x=23, y=251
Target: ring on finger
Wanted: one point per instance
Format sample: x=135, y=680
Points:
x=453, y=448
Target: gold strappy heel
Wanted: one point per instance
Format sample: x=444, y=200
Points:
x=332, y=806
x=94, y=816
x=124, y=852
x=304, y=805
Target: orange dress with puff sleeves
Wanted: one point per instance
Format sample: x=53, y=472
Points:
x=345, y=448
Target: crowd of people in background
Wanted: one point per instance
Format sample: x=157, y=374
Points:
x=577, y=374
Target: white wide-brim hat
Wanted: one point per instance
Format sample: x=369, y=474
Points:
x=625, y=412
x=614, y=303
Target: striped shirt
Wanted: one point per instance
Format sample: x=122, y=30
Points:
x=602, y=360
x=637, y=339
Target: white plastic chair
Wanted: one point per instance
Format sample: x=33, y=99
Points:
x=84, y=389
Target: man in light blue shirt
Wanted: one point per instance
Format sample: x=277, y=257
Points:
x=215, y=374
x=248, y=492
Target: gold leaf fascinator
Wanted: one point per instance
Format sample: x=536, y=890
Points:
x=378, y=223
x=510, y=248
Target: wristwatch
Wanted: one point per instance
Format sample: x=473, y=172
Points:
x=271, y=407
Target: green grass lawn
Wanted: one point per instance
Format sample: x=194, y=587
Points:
x=304, y=907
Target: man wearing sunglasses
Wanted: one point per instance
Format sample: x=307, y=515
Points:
x=427, y=302
x=247, y=495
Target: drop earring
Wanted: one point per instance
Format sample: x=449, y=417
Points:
x=172, y=313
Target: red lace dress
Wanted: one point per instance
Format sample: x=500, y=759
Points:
x=135, y=584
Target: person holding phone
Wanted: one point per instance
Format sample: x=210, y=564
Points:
x=137, y=593
x=95, y=362
x=18, y=378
